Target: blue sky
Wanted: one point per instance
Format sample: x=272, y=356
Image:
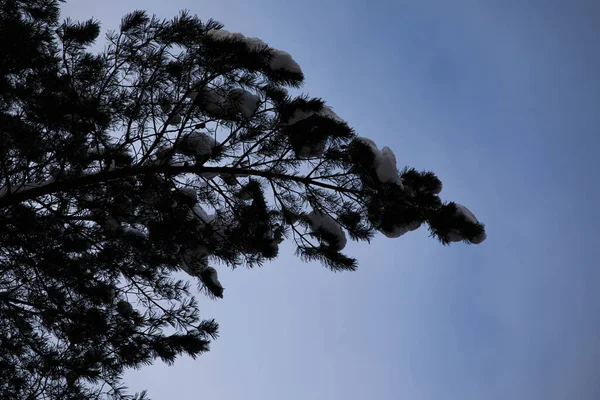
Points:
x=500, y=98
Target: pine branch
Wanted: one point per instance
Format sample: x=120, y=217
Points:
x=107, y=176
x=104, y=184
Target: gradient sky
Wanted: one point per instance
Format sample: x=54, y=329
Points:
x=501, y=98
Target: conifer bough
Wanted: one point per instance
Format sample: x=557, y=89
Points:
x=177, y=148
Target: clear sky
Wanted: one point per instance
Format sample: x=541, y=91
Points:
x=501, y=98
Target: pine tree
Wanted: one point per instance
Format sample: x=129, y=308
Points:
x=179, y=147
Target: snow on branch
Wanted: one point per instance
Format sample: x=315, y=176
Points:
x=280, y=60
x=385, y=162
x=319, y=220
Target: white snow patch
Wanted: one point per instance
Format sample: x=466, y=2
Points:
x=201, y=143
x=312, y=150
x=319, y=220
x=219, y=34
x=248, y=101
x=328, y=112
x=402, y=229
x=160, y=157
x=385, y=163
x=223, y=34
x=465, y=213
x=284, y=61
x=368, y=142
x=300, y=115
x=281, y=60
x=213, y=102
x=455, y=236
x=195, y=260
x=255, y=43
x=237, y=36
x=479, y=238
x=197, y=212
x=238, y=99
x=386, y=167
x=396, y=232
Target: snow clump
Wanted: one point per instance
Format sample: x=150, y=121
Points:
x=465, y=213
x=319, y=220
x=402, y=229
x=200, y=143
x=385, y=163
x=280, y=60
x=248, y=102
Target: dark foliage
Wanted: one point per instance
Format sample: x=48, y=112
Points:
x=111, y=181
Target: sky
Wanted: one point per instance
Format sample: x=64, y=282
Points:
x=500, y=98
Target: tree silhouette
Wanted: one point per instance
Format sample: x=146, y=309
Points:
x=178, y=147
